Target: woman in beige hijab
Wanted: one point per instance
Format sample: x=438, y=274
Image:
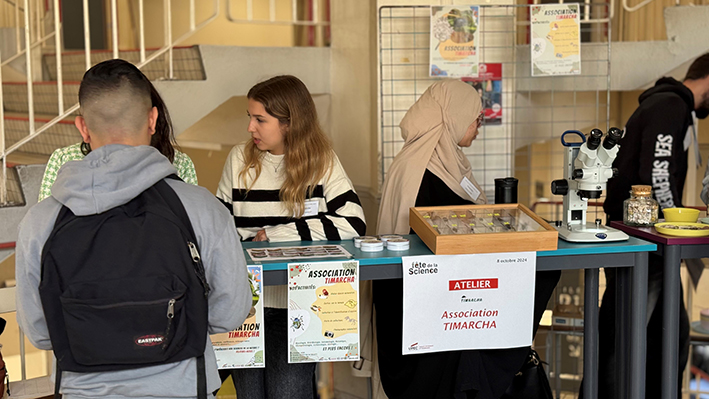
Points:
x=445, y=118
x=431, y=170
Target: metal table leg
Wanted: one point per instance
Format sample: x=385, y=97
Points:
x=670, y=321
x=557, y=364
x=638, y=327
x=590, y=331
x=623, y=305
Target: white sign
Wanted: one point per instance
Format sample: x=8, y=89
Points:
x=323, y=311
x=481, y=301
x=556, y=39
x=244, y=347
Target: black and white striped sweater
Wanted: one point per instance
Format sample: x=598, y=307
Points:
x=339, y=217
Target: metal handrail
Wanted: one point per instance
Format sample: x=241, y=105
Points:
x=20, y=52
x=635, y=7
x=13, y=3
x=587, y=4
x=167, y=48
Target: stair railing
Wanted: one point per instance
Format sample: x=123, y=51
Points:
x=62, y=113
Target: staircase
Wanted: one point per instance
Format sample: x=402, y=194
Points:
x=23, y=192
x=187, y=65
x=208, y=73
x=26, y=166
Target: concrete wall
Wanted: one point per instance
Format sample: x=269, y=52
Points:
x=219, y=32
x=353, y=85
x=348, y=114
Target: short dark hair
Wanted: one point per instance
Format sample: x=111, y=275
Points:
x=115, y=74
x=699, y=68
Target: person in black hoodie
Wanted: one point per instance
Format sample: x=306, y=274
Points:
x=653, y=152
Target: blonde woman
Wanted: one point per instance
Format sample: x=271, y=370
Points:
x=285, y=184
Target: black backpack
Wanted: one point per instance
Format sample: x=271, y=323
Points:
x=125, y=288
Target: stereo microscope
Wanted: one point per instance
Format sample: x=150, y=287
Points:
x=587, y=168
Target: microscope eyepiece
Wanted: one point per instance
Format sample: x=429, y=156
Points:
x=594, y=139
x=613, y=137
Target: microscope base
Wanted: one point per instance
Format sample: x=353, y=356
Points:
x=590, y=233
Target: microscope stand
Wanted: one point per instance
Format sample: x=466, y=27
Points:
x=590, y=233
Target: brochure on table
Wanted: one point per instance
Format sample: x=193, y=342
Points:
x=323, y=311
x=481, y=301
x=244, y=347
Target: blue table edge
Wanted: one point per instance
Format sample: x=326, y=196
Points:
x=418, y=248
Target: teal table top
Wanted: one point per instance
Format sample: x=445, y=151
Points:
x=418, y=248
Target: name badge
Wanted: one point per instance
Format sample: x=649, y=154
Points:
x=470, y=188
x=311, y=208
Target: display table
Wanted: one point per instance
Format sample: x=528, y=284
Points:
x=673, y=250
x=629, y=256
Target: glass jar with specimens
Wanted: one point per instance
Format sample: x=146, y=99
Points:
x=640, y=210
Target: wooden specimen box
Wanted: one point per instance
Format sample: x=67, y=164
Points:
x=475, y=229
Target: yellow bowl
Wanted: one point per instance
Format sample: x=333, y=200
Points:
x=681, y=215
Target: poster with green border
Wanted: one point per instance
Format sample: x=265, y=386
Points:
x=244, y=347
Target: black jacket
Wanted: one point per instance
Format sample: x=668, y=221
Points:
x=652, y=150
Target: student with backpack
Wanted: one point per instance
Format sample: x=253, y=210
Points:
x=125, y=269
x=285, y=184
x=163, y=139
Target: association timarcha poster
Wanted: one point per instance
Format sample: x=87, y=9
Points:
x=323, y=311
x=454, y=39
x=244, y=347
x=556, y=39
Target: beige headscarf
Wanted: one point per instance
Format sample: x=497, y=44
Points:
x=432, y=129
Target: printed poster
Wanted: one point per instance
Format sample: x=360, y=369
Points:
x=556, y=39
x=323, y=311
x=489, y=86
x=454, y=41
x=244, y=347
x=481, y=301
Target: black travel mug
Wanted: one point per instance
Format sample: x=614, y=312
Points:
x=506, y=190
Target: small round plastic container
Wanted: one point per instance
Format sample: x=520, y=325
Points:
x=358, y=240
x=372, y=246
x=386, y=237
x=398, y=244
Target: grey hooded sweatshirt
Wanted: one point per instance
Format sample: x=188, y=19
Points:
x=108, y=177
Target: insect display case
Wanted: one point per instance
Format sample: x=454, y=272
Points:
x=470, y=229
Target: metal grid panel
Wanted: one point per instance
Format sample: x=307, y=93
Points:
x=60, y=135
x=187, y=64
x=44, y=99
x=14, y=192
x=535, y=110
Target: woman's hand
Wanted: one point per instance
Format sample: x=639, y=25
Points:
x=261, y=236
